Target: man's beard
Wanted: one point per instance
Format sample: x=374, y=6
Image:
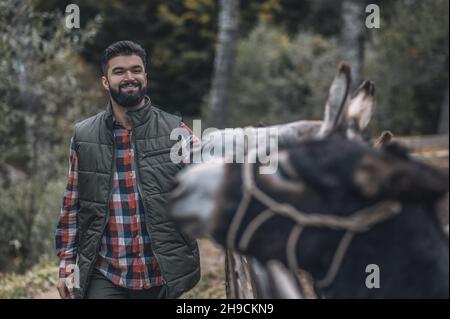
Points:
x=125, y=99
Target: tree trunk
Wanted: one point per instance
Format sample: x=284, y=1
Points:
x=223, y=63
x=352, y=38
x=443, y=123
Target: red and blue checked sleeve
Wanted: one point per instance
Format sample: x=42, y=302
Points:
x=66, y=229
x=188, y=135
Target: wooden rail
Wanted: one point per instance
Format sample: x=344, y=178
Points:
x=432, y=149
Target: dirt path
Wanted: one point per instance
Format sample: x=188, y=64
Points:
x=51, y=294
x=211, y=285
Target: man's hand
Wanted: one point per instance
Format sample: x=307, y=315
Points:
x=65, y=288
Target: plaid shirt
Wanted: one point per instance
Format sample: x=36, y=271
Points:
x=125, y=257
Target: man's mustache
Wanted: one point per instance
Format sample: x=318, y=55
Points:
x=135, y=83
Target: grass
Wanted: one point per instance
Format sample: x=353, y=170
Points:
x=39, y=278
x=209, y=287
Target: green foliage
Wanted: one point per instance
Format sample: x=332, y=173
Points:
x=40, y=82
x=48, y=206
x=179, y=36
x=13, y=227
x=41, y=97
x=408, y=60
x=279, y=79
x=292, y=16
x=27, y=231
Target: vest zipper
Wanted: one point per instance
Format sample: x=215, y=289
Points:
x=138, y=182
x=105, y=222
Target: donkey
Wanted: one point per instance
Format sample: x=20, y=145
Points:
x=335, y=207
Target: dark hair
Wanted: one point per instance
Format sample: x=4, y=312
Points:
x=122, y=48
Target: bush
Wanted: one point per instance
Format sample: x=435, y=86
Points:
x=42, y=93
x=408, y=60
x=26, y=234
x=280, y=79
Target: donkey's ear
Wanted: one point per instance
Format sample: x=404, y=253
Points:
x=360, y=110
x=337, y=98
x=388, y=177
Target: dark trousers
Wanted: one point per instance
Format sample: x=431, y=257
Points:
x=101, y=288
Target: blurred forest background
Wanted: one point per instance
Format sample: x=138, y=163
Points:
x=286, y=54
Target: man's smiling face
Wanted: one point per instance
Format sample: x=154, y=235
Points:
x=126, y=80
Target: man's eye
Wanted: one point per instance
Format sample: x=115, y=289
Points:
x=118, y=72
x=137, y=71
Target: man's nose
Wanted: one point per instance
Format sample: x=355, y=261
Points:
x=128, y=75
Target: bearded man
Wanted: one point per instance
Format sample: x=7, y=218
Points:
x=113, y=238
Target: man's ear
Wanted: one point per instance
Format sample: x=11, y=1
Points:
x=380, y=176
x=105, y=83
